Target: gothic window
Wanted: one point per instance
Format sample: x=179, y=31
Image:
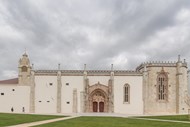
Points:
x=126, y=93
x=162, y=87
x=24, y=69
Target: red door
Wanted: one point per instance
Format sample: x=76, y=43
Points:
x=101, y=106
x=95, y=106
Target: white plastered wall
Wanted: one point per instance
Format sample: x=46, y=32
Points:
x=45, y=94
x=101, y=79
x=15, y=97
x=188, y=81
x=75, y=82
x=136, y=100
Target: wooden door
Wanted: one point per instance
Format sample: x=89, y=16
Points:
x=101, y=106
x=95, y=106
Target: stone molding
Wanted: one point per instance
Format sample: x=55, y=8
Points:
x=32, y=93
x=75, y=104
x=59, y=90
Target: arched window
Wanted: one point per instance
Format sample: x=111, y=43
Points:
x=162, y=86
x=126, y=93
x=24, y=69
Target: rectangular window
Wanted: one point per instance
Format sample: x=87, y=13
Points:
x=67, y=84
x=13, y=89
x=2, y=94
x=51, y=84
x=68, y=102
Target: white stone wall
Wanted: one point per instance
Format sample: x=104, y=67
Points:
x=188, y=81
x=75, y=82
x=183, y=108
x=101, y=79
x=14, y=96
x=152, y=106
x=45, y=94
x=136, y=100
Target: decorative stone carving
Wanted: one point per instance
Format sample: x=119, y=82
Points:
x=111, y=96
x=162, y=86
x=98, y=93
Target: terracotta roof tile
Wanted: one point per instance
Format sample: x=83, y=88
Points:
x=10, y=81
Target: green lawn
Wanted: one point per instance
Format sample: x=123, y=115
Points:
x=176, y=117
x=111, y=122
x=7, y=119
x=13, y=119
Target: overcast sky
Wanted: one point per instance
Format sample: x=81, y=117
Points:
x=96, y=32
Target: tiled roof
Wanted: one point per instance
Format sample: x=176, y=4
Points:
x=10, y=81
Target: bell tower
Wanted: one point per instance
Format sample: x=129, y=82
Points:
x=24, y=70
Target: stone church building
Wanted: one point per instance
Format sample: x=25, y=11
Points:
x=152, y=88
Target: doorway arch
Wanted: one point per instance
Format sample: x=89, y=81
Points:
x=98, y=101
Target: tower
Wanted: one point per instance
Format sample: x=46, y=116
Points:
x=24, y=70
x=181, y=86
x=145, y=88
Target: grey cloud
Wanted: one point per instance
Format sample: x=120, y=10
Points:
x=93, y=32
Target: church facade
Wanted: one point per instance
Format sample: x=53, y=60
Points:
x=153, y=88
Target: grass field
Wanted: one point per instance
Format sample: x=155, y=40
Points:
x=7, y=119
x=113, y=122
x=13, y=119
x=176, y=117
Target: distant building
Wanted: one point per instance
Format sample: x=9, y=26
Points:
x=153, y=88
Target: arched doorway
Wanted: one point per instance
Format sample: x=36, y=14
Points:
x=95, y=106
x=98, y=100
x=101, y=106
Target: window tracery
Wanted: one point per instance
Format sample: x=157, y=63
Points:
x=126, y=93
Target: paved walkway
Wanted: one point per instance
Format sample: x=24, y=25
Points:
x=161, y=120
x=103, y=114
x=42, y=122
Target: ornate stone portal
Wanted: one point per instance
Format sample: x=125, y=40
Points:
x=97, y=99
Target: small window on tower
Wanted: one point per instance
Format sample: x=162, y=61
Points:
x=13, y=89
x=2, y=94
x=51, y=84
x=24, y=69
x=67, y=84
x=68, y=102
